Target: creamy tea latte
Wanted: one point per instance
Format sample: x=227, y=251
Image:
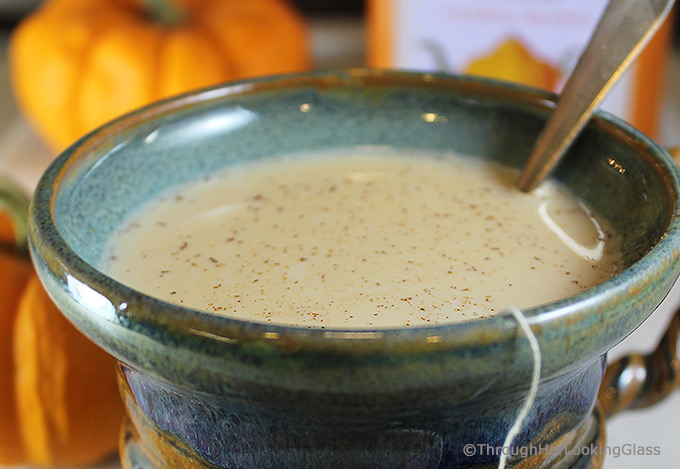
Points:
x=363, y=239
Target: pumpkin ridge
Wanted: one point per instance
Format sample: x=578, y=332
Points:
x=30, y=396
x=227, y=64
x=15, y=273
x=14, y=276
x=157, y=60
x=222, y=44
x=27, y=62
x=75, y=123
x=78, y=127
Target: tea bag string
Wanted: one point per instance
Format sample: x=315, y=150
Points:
x=523, y=324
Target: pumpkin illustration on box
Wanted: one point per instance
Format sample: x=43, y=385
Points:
x=76, y=64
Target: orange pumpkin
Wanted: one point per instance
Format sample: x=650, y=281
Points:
x=59, y=401
x=15, y=270
x=76, y=64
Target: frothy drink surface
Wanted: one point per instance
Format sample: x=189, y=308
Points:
x=363, y=240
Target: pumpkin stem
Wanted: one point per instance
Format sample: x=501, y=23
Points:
x=165, y=12
x=14, y=203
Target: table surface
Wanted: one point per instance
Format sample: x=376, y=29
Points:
x=24, y=157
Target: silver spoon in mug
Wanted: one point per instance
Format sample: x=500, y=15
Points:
x=625, y=28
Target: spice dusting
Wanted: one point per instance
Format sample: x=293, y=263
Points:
x=363, y=240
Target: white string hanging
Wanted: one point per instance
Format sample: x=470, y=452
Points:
x=523, y=324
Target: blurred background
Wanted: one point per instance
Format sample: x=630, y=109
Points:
x=529, y=41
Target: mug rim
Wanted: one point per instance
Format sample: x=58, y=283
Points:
x=47, y=245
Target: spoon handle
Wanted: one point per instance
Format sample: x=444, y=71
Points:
x=624, y=29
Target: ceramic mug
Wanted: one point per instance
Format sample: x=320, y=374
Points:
x=213, y=391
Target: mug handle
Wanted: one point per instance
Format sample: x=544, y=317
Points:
x=14, y=204
x=637, y=381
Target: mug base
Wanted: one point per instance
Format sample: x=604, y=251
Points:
x=582, y=448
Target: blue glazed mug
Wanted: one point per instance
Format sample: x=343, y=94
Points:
x=208, y=391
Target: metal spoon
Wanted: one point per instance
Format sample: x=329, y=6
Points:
x=624, y=29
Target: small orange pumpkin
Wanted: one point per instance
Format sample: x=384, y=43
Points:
x=59, y=401
x=76, y=64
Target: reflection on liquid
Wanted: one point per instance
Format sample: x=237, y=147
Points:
x=591, y=253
